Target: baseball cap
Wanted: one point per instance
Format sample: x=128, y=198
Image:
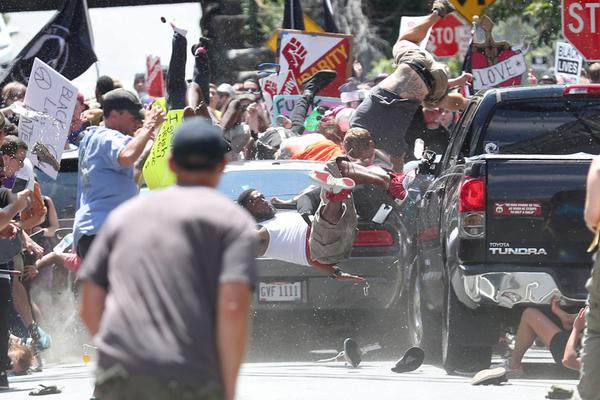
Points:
x=121, y=99
x=226, y=88
x=198, y=144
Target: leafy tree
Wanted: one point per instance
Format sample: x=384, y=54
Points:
x=543, y=15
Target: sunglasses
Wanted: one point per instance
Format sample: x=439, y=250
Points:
x=20, y=160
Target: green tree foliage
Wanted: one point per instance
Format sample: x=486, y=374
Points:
x=543, y=15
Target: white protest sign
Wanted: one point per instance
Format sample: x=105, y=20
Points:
x=407, y=23
x=494, y=75
x=53, y=98
x=568, y=62
x=283, y=83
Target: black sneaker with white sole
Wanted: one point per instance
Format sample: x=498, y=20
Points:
x=313, y=84
x=352, y=352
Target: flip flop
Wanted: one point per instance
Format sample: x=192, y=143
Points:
x=411, y=360
x=43, y=390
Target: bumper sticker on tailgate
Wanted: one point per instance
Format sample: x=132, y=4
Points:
x=521, y=209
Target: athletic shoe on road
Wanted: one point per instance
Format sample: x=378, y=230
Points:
x=331, y=184
x=313, y=84
x=411, y=360
x=442, y=7
x=352, y=352
x=492, y=376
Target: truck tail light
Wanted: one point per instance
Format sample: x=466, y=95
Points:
x=472, y=204
x=581, y=90
x=381, y=238
x=472, y=195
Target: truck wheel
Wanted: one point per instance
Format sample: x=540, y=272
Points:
x=424, y=329
x=456, y=356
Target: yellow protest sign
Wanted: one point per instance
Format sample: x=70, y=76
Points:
x=471, y=8
x=156, y=168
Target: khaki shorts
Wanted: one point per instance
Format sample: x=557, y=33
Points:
x=332, y=243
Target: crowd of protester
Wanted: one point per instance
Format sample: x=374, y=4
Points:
x=369, y=138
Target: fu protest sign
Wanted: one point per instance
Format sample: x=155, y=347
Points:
x=305, y=53
x=51, y=99
x=284, y=104
x=156, y=170
x=568, y=62
x=283, y=83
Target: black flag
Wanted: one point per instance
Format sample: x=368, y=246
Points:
x=330, y=25
x=293, y=17
x=64, y=43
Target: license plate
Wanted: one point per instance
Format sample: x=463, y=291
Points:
x=279, y=292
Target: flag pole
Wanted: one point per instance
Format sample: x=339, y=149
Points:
x=89, y=22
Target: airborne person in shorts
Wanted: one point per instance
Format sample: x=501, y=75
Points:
x=418, y=80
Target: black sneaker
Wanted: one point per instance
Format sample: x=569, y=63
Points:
x=203, y=43
x=442, y=7
x=3, y=381
x=352, y=352
x=411, y=360
x=312, y=85
x=492, y=376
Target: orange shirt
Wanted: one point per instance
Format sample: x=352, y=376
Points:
x=323, y=150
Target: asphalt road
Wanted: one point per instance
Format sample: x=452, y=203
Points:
x=310, y=380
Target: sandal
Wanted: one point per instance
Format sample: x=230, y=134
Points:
x=43, y=390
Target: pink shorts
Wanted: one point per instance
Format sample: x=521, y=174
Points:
x=72, y=262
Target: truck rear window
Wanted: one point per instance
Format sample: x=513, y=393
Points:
x=550, y=126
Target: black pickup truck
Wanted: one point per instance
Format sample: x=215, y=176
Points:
x=500, y=222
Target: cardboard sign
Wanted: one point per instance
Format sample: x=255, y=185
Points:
x=284, y=105
x=507, y=72
x=53, y=98
x=306, y=53
x=568, y=62
x=156, y=168
x=283, y=83
x=407, y=23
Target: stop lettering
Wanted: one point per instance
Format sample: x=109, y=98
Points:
x=447, y=36
x=581, y=26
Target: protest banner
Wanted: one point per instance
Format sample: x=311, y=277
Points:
x=273, y=85
x=284, y=104
x=306, y=53
x=568, y=62
x=450, y=36
x=52, y=99
x=156, y=170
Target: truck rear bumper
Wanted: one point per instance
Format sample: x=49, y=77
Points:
x=507, y=289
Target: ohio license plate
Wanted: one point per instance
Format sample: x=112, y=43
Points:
x=279, y=292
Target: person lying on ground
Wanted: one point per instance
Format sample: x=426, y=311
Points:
x=555, y=335
x=418, y=80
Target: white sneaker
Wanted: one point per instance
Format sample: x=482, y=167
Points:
x=331, y=184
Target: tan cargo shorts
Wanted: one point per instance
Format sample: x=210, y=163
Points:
x=332, y=243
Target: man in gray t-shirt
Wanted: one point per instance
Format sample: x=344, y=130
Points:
x=168, y=281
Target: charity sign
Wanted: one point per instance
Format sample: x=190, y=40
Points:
x=306, y=53
x=568, y=62
x=156, y=168
x=284, y=105
x=44, y=122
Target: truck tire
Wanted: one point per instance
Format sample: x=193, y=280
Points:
x=459, y=322
x=424, y=326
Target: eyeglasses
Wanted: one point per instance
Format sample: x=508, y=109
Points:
x=20, y=160
x=254, y=91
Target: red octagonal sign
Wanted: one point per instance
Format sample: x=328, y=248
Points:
x=449, y=37
x=581, y=26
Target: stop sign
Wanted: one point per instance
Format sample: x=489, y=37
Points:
x=581, y=26
x=449, y=37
